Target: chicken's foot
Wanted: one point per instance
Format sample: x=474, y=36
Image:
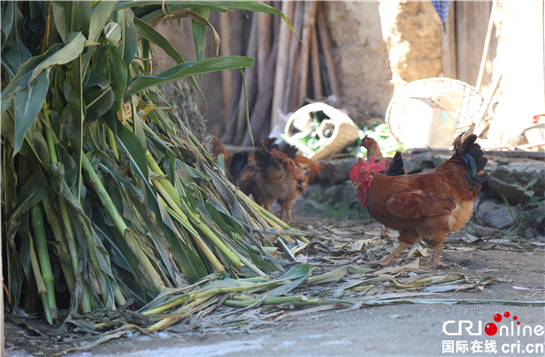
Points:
x=384, y=232
x=392, y=257
x=435, y=263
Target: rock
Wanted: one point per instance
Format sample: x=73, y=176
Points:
x=502, y=179
x=483, y=232
x=419, y=162
x=439, y=160
x=310, y=190
x=500, y=217
x=490, y=166
x=343, y=168
x=350, y=195
x=332, y=194
x=308, y=204
x=539, y=216
x=163, y=335
x=484, y=207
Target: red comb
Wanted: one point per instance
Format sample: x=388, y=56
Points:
x=366, y=167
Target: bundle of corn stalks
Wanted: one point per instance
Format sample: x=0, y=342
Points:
x=108, y=198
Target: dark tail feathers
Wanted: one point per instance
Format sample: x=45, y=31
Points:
x=269, y=144
x=238, y=161
x=397, y=168
x=471, y=158
x=326, y=175
x=290, y=151
x=264, y=160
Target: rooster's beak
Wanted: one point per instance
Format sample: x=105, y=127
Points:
x=356, y=185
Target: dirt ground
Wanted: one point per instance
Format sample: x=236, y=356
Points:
x=392, y=330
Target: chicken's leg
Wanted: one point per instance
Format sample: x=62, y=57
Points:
x=392, y=257
x=384, y=232
x=282, y=209
x=289, y=207
x=435, y=263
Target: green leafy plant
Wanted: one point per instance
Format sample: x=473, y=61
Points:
x=533, y=199
x=119, y=192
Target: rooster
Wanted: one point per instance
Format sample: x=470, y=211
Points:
x=427, y=205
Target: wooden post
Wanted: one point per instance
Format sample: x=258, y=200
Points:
x=264, y=96
x=225, y=50
x=1, y=298
x=280, y=76
x=263, y=43
x=315, y=62
x=486, y=45
x=236, y=27
x=310, y=21
x=328, y=55
x=251, y=84
x=481, y=126
x=449, y=45
x=294, y=46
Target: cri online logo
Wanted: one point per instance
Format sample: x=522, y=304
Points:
x=491, y=329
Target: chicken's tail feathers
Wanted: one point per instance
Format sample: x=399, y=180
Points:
x=290, y=151
x=269, y=144
x=237, y=163
x=321, y=173
x=397, y=168
x=263, y=159
x=471, y=157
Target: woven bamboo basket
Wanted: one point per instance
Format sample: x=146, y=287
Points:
x=433, y=112
x=343, y=129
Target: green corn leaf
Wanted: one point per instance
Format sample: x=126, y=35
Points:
x=130, y=143
x=74, y=79
x=188, y=69
x=67, y=54
x=217, y=5
x=153, y=36
x=100, y=17
x=7, y=21
x=112, y=33
x=98, y=97
x=21, y=80
x=199, y=32
x=72, y=16
x=153, y=6
x=27, y=149
x=28, y=104
x=129, y=38
x=30, y=195
x=121, y=74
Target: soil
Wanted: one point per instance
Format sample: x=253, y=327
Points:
x=392, y=330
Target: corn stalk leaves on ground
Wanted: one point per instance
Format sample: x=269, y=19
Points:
x=107, y=197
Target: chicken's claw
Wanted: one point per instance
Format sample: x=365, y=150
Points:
x=384, y=261
x=439, y=265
